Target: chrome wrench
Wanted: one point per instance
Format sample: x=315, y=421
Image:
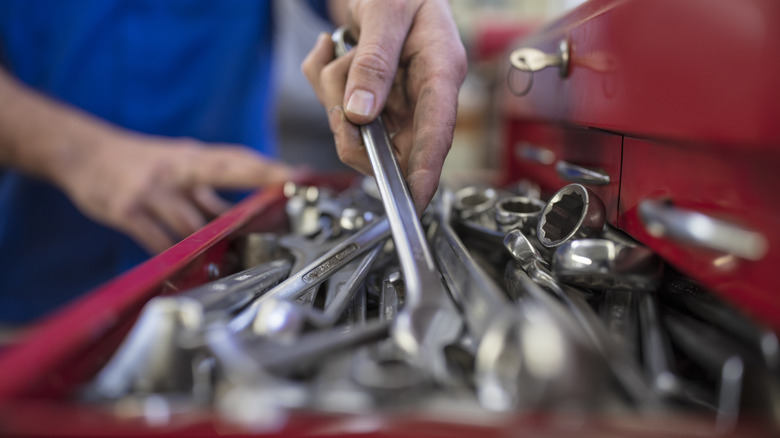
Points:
x=429, y=320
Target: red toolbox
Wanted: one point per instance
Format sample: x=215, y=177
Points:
x=671, y=106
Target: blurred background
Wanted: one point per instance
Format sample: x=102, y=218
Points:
x=304, y=137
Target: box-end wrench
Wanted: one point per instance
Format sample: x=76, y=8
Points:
x=512, y=367
x=429, y=320
x=621, y=365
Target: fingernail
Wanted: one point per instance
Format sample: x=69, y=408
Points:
x=361, y=103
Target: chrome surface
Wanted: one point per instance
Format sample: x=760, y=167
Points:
x=663, y=220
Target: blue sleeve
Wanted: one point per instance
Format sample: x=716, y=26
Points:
x=320, y=7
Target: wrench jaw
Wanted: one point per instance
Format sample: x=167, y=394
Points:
x=424, y=333
x=605, y=264
x=533, y=356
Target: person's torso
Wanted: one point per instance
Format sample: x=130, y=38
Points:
x=193, y=68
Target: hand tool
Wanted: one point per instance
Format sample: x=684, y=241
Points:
x=429, y=321
x=573, y=212
x=606, y=264
x=622, y=367
x=156, y=354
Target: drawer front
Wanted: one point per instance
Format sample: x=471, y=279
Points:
x=698, y=70
x=729, y=203
x=554, y=156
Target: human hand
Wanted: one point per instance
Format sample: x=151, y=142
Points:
x=409, y=64
x=159, y=190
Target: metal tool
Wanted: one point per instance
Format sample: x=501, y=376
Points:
x=606, y=264
x=659, y=363
x=429, y=321
x=339, y=253
x=474, y=203
x=518, y=212
x=573, y=212
x=507, y=372
x=284, y=320
x=380, y=368
x=624, y=370
x=156, y=355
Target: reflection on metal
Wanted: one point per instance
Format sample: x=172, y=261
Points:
x=582, y=175
x=662, y=219
x=534, y=153
x=530, y=60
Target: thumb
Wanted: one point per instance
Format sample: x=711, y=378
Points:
x=383, y=30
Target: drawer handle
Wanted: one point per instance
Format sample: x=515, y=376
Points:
x=662, y=219
x=582, y=175
x=534, y=153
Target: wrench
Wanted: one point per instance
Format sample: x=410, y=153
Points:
x=624, y=370
x=429, y=320
x=156, y=354
x=507, y=371
x=297, y=284
x=285, y=320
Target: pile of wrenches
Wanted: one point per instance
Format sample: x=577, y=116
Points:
x=546, y=307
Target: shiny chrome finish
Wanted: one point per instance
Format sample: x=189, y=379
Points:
x=518, y=212
x=662, y=219
x=605, y=264
x=533, y=60
x=474, y=202
x=581, y=175
x=534, y=153
x=429, y=321
x=573, y=212
x=621, y=365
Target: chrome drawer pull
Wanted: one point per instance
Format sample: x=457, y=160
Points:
x=534, y=153
x=664, y=220
x=581, y=175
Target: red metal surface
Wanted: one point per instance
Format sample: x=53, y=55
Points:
x=592, y=149
x=703, y=71
x=52, y=356
x=736, y=186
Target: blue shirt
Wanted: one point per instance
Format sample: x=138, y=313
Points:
x=195, y=68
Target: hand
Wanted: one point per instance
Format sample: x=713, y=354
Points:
x=159, y=190
x=409, y=63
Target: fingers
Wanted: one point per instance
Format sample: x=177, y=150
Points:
x=316, y=60
x=383, y=27
x=175, y=213
x=434, y=124
x=148, y=233
x=208, y=201
x=232, y=167
x=328, y=78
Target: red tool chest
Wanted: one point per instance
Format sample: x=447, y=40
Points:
x=673, y=101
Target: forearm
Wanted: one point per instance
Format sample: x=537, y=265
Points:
x=42, y=137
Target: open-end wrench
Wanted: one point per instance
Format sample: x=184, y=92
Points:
x=297, y=284
x=607, y=265
x=429, y=320
x=153, y=358
x=285, y=320
x=500, y=331
x=621, y=365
